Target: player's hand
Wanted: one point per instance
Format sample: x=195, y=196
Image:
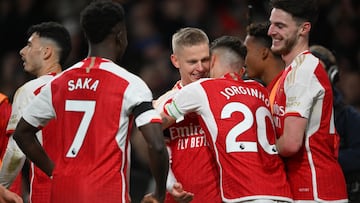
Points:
x=149, y=198
x=7, y=196
x=180, y=195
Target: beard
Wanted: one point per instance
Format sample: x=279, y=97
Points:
x=285, y=47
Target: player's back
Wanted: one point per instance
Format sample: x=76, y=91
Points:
x=93, y=101
x=239, y=121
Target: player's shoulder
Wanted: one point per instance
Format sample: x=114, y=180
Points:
x=305, y=62
x=253, y=83
x=35, y=83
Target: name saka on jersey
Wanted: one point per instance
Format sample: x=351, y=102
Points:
x=83, y=83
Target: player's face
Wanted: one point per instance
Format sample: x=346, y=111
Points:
x=192, y=62
x=254, y=57
x=283, y=30
x=31, y=54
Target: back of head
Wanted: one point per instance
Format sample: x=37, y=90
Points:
x=231, y=44
x=99, y=18
x=231, y=52
x=259, y=31
x=188, y=36
x=329, y=60
x=57, y=33
x=303, y=11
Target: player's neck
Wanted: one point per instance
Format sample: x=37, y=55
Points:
x=296, y=50
x=54, y=68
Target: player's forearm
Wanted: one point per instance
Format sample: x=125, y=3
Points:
x=166, y=120
x=26, y=139
x=292, y=138
x=286, y=148
x=159, y=165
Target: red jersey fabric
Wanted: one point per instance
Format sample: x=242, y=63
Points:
x=236, y=118
x=5, y=112
x=305, y=91
x=191, y=160
x=92, y=102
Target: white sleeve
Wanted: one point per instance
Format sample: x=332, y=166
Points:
x=21, y=100
x=136, y=94
x=302, y=89
x=40, y=110
x=188, y=99
x=171, y=179
x=12, y=163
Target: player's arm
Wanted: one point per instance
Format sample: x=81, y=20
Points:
x=25, y=137
x=7, y=196
x=158, y=155
x=166, y=120
x=179, y=194
x=292, y=138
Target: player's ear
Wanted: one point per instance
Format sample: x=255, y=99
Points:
x=265, y=53
x=305, y=28
x=242, y=71
x=47, y=52
x=174, y=60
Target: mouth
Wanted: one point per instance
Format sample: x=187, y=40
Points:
x=276, y=41
x=198, y=76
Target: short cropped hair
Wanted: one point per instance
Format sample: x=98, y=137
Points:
x=57, y=33
x=304, y=10
x=259, y=31
x=232, y=43
x=98, y=19
x=188, y=36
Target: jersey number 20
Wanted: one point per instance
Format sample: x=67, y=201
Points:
x=232, y=145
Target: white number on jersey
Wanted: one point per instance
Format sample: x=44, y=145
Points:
x=88, y=107
x=260, y=118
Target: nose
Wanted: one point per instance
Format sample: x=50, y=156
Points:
x=203, y=66
x=271, y=30
x=21, y=52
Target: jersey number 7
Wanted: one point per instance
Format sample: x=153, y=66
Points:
x=88, y=107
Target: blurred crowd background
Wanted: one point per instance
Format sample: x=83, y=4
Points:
x=151, y=24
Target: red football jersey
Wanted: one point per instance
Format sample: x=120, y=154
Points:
x=236, y=118
x=190, y=150
x=14, y=158
x=5, y=112
x=304, y=90
x=93, y=103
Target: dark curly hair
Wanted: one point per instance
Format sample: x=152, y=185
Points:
x=259, y=31
x=98, y=19
x=305, y=10
x=56, y=32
